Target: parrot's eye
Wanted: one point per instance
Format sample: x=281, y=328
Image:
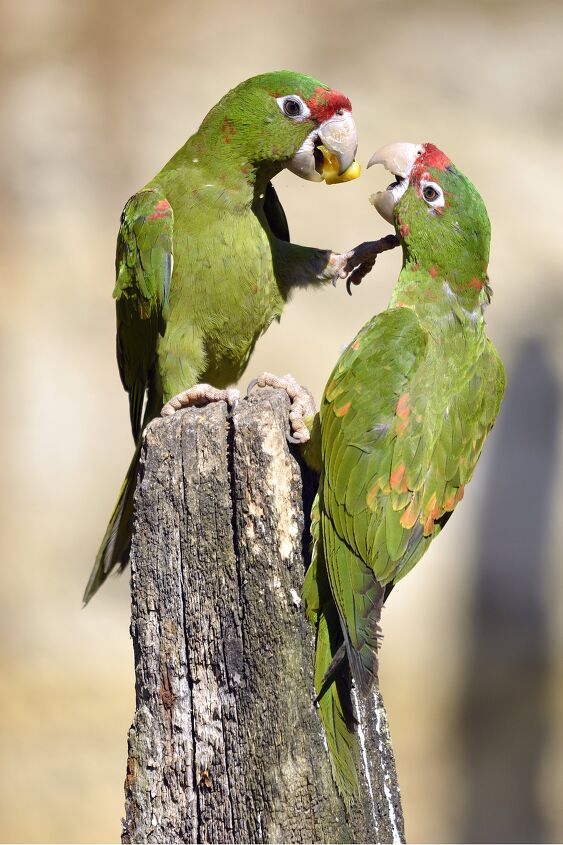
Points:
x=293, y=107
x=432, y=194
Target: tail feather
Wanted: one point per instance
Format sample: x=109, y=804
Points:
x=115, y=547
x=332, y=678
x=359, y=598
x=336, y=709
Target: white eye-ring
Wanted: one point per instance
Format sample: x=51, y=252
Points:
x=432, y=194
x=293, y=107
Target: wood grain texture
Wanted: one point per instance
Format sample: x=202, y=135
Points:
x=226, y=745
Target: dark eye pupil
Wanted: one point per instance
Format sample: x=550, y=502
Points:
x=430, y=194
x=292, y=108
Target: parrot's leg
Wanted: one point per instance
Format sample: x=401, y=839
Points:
x=198, y=396
x=361, y=259
x=302, y=403
x=301, y=266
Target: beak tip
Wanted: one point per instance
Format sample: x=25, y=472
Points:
x=339, y=138
x=397, y=158
x=375, y=159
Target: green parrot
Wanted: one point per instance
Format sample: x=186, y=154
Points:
x=204, y=261
x=402, y=422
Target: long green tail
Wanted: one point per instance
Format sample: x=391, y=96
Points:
x=334, y=694
x=115, y=547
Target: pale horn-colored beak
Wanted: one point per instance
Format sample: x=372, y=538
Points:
x=399, y=159
x=334, y=159
x=340, y=140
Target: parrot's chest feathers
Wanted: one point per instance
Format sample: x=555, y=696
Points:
x=225, y=286
x=229, y=342
x=453, y=360
x=456, y=309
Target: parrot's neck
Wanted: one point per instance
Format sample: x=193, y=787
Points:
x=445, y=267
x=219, y=156
x=441, y=307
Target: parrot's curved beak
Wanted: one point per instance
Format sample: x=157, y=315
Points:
x=399, y=160
x=329, y=153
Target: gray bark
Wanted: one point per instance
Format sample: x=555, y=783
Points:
x=226, y=745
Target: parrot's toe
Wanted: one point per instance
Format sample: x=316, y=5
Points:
x=198, y=396
x=302, y=403
x=360, y=261
x=336, y=267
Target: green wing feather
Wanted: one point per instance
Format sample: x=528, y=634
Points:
x=143, y=274
x=392, y=473
x=358, y=428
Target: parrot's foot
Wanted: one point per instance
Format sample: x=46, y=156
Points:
x=361, y=259
x=302, y=403
x=336, y=267
x=198, y=396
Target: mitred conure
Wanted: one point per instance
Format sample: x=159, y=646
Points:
x=204, y=261
x=403, y=420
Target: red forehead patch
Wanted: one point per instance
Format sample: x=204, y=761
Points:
x=323, y=104
x=430, y=157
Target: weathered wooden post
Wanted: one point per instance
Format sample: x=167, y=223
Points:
x=226, y=745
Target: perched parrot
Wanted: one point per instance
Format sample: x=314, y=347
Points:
x=403, y=420
x=204, y=262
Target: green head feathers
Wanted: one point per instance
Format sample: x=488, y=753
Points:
x=438, y=215
x=281, y=119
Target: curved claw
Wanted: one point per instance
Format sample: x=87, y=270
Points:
x=363, y=257
x=358, y=274
x=251, y=386
x=231, y=409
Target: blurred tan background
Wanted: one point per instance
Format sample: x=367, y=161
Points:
x=95, y=98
